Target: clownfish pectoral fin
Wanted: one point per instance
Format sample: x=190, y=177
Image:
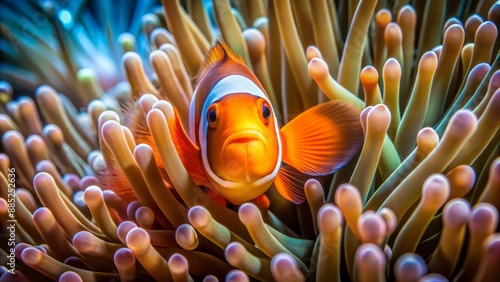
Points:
x=188, y=152
x=323, y=138
x=289, y=182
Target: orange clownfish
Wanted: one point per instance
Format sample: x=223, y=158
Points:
x=235, y=145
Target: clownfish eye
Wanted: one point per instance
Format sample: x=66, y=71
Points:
x=266, y=111
x=212, y=115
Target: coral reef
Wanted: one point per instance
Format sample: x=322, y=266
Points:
x=419, y=202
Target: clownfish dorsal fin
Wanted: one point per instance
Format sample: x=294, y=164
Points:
x=188, y=152
x=323, y=138
x=218, y=53
x=289, y=182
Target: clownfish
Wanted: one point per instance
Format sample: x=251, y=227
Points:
x=235, y=146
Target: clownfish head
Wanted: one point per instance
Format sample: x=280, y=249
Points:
x=233, y=123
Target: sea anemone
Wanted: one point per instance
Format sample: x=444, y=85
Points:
x=419, y=201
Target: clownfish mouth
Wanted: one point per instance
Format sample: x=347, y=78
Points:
x=244, y=140
x=244, y=136
x=243, y=153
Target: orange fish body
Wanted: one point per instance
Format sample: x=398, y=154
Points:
x=235, y=145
